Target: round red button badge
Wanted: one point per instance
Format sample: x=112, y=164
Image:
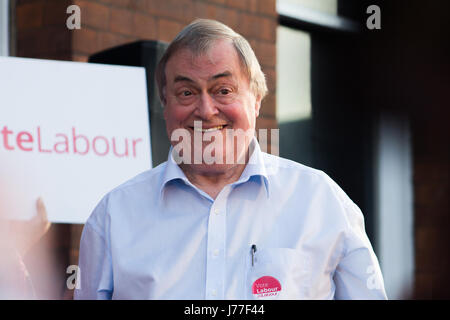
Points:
x=266, y=286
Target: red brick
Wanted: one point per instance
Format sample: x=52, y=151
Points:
x=227, y=16
x=118, y=3
x=431, y=249
x=430, y=170
x=268, y=123
x=432, y=194
x=180, y=10
x=423, y=287
x=139, y=6
x=268, y=29
x=253, y=5
x=30, y=15
x=22, y=2
x=144, y=26
x=168, y=29
x=85, y=41
x=230, y=17
x=25, y=43
x=133, y=5
x=55, y=12
x=205, y=10
x=238, y=4
x=94, y=14
x=218, y=1
x=428, y=216
x=268, y=106
x=263, y=122
x=41, y=42
x=108, y=40
x=267, y=7
x=121, y=21
x=63, y=55
x=265, y=52
x=271, y=79
x=248, y=25
x=257, y=27
x=58, y=38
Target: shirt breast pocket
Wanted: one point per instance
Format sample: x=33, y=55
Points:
x=278, y=273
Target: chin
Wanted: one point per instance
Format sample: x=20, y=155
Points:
x=209, y=169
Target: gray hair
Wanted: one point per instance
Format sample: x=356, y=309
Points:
x=199, y=37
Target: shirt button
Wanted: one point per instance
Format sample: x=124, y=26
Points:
x=217, y=211
x=216, y=252
x=214, y=292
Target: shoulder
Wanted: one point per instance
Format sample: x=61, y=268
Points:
x=285, y=169
x=140, y=186
x=315, y=186
x=285, y=173
x=147, y=178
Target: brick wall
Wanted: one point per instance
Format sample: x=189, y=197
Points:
x=410, y=74
x=41, y=32
x=422, y=77
x=432, y=220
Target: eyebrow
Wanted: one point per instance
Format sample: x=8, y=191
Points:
x=182, y=78
x=214, y=77
x=221, y=75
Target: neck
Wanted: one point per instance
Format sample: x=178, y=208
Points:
x=213, y=178
x=212, y=182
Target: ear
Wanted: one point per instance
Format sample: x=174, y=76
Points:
x=258, y=105
x=163, y=102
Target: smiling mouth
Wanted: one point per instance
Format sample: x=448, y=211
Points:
x=216, y=128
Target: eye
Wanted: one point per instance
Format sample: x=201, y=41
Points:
x=186, y=96
x=224, y=91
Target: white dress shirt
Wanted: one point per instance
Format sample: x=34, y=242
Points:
x=158, y=236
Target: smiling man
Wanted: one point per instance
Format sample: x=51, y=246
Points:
x=210, y=88
x=248, y=225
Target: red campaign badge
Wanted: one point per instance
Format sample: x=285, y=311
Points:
x=266, y=286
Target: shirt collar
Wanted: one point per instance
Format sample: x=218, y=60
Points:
x=171, y=172
x=254, y=167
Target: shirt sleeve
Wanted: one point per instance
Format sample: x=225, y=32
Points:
x=95, y=265
x=358, y=275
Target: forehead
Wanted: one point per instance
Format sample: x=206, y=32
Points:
x=222, y=56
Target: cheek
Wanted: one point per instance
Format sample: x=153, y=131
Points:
x=241, y=115
x=175, y=116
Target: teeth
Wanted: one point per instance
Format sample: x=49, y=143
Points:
x=208, y=130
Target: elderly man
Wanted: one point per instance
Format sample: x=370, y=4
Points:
x=247, y=225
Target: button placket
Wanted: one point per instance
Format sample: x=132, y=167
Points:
x=216, y=241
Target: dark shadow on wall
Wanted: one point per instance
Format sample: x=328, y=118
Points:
x=403, y=69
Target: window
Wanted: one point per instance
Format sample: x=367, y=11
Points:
x=324, y=6
x=293, y=74
x=315, y=14
x=294, y=109
x=4, y=28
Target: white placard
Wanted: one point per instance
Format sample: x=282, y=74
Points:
x=69, y=133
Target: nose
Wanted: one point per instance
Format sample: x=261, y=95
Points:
x=206, y=108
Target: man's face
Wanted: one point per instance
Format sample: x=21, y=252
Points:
x=213, y=89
